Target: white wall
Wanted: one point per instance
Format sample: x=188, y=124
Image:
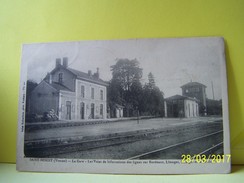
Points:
x=88, y=100
x=191, y=108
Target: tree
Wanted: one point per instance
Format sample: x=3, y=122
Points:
x=151, y=81
x=125, y=86
x=127, y=90
x=126, y=72
x=153, y=98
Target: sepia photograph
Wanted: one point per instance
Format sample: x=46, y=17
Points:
x=149, y=106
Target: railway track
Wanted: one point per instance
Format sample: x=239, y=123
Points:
x=43, y=148
x=147, y=155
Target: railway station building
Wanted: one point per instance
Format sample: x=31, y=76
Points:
x=179, y=106
x=72, y=94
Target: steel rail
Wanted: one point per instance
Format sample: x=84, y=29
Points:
x=174, y=145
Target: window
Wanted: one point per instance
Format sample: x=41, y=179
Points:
x=187, y=91
x=101, y=94
x=101, y=109
x=92, y=93
x=60, y=77
x=82, y=91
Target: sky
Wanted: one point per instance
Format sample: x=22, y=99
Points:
x=173, y=62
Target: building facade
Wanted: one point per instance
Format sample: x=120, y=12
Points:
x=179, y=106
x=198, y=91
x=72, y=94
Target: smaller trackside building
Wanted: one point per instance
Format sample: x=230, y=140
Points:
x=181, y=106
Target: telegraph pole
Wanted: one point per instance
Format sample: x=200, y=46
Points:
x=212, y=89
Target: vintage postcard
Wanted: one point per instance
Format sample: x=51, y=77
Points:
x=138, y=106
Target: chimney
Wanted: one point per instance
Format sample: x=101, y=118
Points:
x=50, y=79
x=89, y=73
x=65, y=62
x=58, y=62
x=97, y=72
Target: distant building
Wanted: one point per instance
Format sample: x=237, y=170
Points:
x=181, y=106
x=116, y=111
x=72, y=94
x=198, y=91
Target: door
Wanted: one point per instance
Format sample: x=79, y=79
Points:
x=92, y=111
x=68, y=110
x=175, y=109
x=101, y=110
x=82, y=110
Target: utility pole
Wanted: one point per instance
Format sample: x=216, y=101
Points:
x=212, y=89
